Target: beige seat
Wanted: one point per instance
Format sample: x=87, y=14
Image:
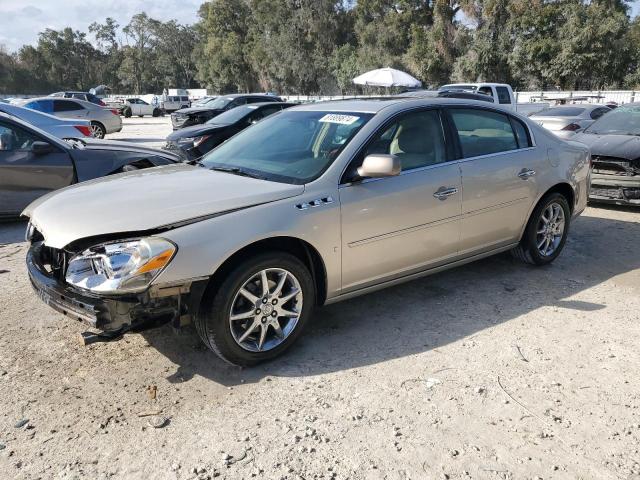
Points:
x=418, y=144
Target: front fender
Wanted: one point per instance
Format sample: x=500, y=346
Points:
x=204, y=246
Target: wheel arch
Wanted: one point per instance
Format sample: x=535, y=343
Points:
x=563, y=188
x=301, y=249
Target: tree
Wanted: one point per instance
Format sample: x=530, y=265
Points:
x=223, y=63
x=138, y=68
x=433, y=48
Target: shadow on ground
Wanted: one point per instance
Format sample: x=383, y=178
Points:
x=12, y=231
x=427, y=313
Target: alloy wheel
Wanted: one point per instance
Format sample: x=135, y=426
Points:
x=96, y=131
x=265, y=310
x=550, y=229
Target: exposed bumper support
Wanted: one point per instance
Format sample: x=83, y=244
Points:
x=619, y=190
x=160, y=304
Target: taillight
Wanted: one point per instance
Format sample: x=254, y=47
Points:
x=83, y=129
x=198, y=140
x=572, y=127
x=114, y=111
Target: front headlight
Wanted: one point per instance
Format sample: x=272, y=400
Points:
x=185, y=141
x=120, y=267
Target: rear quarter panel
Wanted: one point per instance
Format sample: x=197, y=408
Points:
x=567, y=162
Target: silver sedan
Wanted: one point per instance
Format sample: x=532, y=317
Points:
x=566, y=120
x=103, y=119
x=313, y=205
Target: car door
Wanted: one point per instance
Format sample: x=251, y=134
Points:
x=69, y=109
x=499, y=170
x=396, y=226
x=25, y=175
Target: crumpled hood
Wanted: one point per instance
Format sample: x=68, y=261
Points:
x=145, y=200
x=196, y=131
x=621, y=146
x=190, y=110
x=116, y=145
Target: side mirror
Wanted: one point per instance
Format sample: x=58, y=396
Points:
x=41, y=148
x=380, y=165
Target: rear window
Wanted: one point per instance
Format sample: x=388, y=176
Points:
x=503, y=95
x=483, y=132
x=561, y=112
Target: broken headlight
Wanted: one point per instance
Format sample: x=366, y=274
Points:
x=120, y=267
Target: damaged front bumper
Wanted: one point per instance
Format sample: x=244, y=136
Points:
x=159, y=304
x=619, y=190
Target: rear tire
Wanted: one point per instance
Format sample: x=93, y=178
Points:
x=98, y=130
x=156, y=112
x=241, y=341
x=546, y=231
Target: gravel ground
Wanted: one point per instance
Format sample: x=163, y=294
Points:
x=495, y=370
x=150, y=131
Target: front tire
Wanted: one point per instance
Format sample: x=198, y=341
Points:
x=258, y=310
x=127, y=112
x=546, y=231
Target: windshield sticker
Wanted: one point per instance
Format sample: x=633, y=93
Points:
x=336, y=118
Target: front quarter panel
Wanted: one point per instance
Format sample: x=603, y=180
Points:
x=204, y=246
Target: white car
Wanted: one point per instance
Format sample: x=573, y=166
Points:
x=58, y=127
x=171, y=103
x=137, y=106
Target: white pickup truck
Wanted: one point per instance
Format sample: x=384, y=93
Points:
x=501, y=93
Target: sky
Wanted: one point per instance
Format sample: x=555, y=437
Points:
x=22, y=20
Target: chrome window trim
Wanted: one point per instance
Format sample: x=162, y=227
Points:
x=448, y=162
x=436, y=165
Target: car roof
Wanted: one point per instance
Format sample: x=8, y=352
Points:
x=29, y=126
x=50, y=99
x=236, y=95
x=375, y=105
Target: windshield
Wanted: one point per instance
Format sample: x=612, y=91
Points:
x=623, y=120
x=204, y=101
x=291, y=147
x=219, y=102
x=233, y=115
x=560, y=112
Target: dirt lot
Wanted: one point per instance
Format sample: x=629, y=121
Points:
x=150, y=131
x=495, y=370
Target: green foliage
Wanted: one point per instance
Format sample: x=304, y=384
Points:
x=319, y=46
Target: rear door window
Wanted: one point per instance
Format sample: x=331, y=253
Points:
x=66, y=106
x=483, y=132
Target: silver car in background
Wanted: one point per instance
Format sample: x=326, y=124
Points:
x=566, y=120
x=103, y=120
x=58, y=127
x=313, y=205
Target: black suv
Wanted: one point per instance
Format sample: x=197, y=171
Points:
x=186, y=117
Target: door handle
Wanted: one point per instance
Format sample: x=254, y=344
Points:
x=526, y=173
x=443, y=192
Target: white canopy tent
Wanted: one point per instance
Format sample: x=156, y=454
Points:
x=387, y=77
